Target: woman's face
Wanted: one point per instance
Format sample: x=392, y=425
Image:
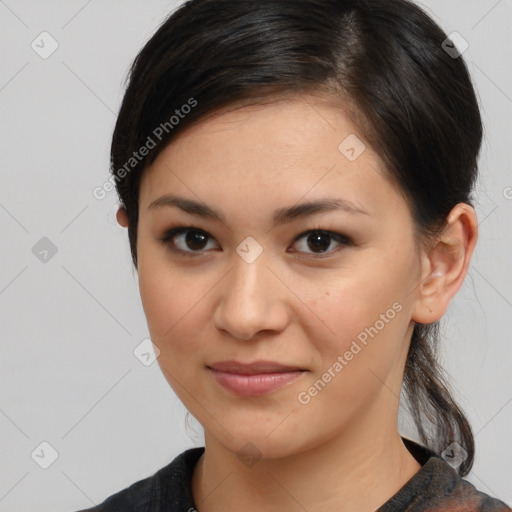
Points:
x=253, y=285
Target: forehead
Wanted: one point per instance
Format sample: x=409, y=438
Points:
x=275, y=153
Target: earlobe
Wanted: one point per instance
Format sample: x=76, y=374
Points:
x=445, y=264
x=122, y=217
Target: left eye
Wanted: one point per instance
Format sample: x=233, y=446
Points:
x=320, y=240
x=192, y=241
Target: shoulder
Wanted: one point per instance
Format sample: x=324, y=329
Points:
x=465, y=496
x=170, y=484
x=447, y=491
x=135, y=498
x=438, y=487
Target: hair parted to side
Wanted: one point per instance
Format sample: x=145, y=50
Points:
x=414, y=103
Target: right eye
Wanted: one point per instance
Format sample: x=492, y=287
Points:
x=182, y=238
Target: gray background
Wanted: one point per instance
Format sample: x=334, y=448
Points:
x=70, y=324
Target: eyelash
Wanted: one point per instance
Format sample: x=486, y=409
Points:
x=343, y=240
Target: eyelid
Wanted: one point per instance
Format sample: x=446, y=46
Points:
x=341, y=239
x=178, y=229
x=334, y=234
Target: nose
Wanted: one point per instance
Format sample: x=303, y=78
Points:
x=251, y=300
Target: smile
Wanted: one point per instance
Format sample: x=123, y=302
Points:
x=255, y=384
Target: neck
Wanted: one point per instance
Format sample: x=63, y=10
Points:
x=356, y=471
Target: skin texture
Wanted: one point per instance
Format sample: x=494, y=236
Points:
x=291, y=304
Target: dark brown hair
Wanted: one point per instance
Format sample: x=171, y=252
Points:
x=414, y=102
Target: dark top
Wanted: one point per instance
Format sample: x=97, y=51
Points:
x=435, y=487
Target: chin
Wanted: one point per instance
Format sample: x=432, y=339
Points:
x=253, y=444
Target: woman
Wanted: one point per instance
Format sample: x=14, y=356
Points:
x=295, y=177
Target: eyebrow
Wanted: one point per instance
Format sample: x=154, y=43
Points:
x=281, y=216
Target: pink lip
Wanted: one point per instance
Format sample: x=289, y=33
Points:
x=254, y=379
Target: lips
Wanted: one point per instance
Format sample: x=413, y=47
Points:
x=254, y=379
x=255, y=368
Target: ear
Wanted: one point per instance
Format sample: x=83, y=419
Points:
x=444, y=264
x=122, y=217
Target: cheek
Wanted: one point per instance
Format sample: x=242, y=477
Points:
x=361, y=357
x=366, y=330
x=173, y=310
x=366, y=312
x=171, y=300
